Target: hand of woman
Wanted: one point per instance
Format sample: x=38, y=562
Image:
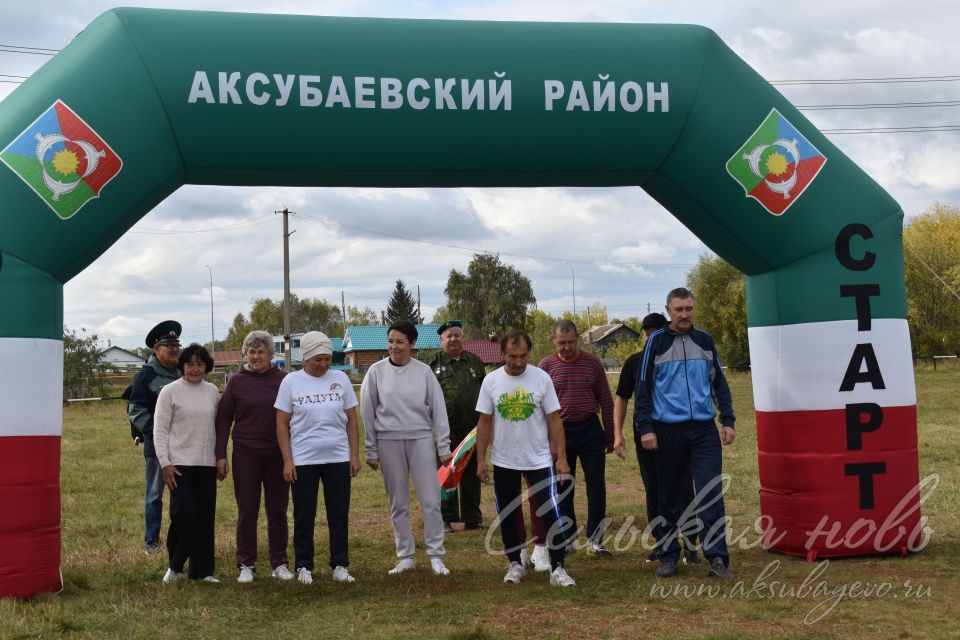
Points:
x=289, y=472
x=373, y=463
x=445, y=459
x=354, y=467
x=169, y=476
x=223, y=467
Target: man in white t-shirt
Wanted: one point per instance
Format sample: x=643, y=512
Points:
x=520, y=415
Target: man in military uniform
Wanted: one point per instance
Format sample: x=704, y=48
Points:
x=460, y=374
x=159, y=371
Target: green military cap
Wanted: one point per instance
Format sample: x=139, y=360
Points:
x=166, y=331
x=446, y=325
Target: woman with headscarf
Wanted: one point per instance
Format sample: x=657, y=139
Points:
x=405, y=421
x=320, y=443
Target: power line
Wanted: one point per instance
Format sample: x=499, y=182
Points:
x=36, y=51
x=878, y=105
x=893, y=80
x=917, y=129
x=173, y=232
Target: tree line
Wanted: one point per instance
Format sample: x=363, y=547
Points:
x=491, y=297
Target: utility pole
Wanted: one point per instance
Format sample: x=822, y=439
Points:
x=287, y=351
x=418, y=304
x=343, y=310
x=213, y=341
x=573, y=289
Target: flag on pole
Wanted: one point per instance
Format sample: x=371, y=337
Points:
x=449, y=474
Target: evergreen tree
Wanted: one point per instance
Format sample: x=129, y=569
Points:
x=402, y=306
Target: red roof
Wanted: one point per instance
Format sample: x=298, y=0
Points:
x=226, y=358
x=486, y=350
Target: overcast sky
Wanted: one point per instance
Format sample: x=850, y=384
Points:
x=617, y=245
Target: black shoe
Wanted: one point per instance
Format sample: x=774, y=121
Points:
x=447, y=527
x=719, y=570
x=690, y=556
x=473, y=526
x=654, y=556
x=666, y=569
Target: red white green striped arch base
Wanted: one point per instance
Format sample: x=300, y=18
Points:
x=119, y=120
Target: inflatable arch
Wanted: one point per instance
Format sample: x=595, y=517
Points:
x=144, y=101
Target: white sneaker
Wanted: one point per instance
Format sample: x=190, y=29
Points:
x=304, y=575
x=209, y=579
x=340, y=574
x=407, y=564
x=524, y=558
x=560, y=578
x=439, y=569
x=540, y=558
x=246, y=574
x=515, y=573
x=171, y=576
x=595, y=549
x=282, y=573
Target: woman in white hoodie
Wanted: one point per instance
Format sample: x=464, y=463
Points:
x=405, y=420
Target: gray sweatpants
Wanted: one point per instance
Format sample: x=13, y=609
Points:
x=399, y=459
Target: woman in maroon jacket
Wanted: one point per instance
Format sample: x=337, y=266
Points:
x=247, y=406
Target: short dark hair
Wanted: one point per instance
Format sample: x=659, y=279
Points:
x=195, y=350
x=680, y=292
x=406, y=328
x=564, y=326
x=513, y=337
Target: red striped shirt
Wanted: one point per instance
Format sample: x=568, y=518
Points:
x=582, y=388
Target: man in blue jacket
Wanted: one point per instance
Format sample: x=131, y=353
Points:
x=159, y=371
x=679, y=381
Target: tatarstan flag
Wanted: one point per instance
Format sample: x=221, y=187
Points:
x=776, y=164
x=62, y=159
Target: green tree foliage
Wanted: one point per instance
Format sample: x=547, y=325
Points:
x=306, y=314
x=402, y=306
x=591, y=316
x=721, y=294
x=539, y=325
x=931, y=244
x=357, y=317
x=491, y=297
x=83, y=370
x=623, y=349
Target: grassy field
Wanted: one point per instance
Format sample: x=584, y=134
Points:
x=113, y=590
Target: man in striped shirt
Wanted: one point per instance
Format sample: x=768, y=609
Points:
x=582, y=388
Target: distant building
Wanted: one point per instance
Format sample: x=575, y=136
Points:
x=364, y=345
x=121, y=359
x=296, y=355
x=486, y=350
x=600, y=337
x=226, y=359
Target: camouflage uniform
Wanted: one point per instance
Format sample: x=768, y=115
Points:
x=460, y=380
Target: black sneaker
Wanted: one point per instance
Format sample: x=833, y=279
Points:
x=719, y=570
x=473, y=526
x=690, y=556
x=666, y=569
x=654, y=556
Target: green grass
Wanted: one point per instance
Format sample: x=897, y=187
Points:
x=113, y=590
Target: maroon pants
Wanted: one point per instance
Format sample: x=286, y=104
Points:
x=253, y=469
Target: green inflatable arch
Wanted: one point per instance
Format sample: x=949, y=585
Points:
x=144, y=101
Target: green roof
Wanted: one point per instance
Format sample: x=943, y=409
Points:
x=374, y=338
